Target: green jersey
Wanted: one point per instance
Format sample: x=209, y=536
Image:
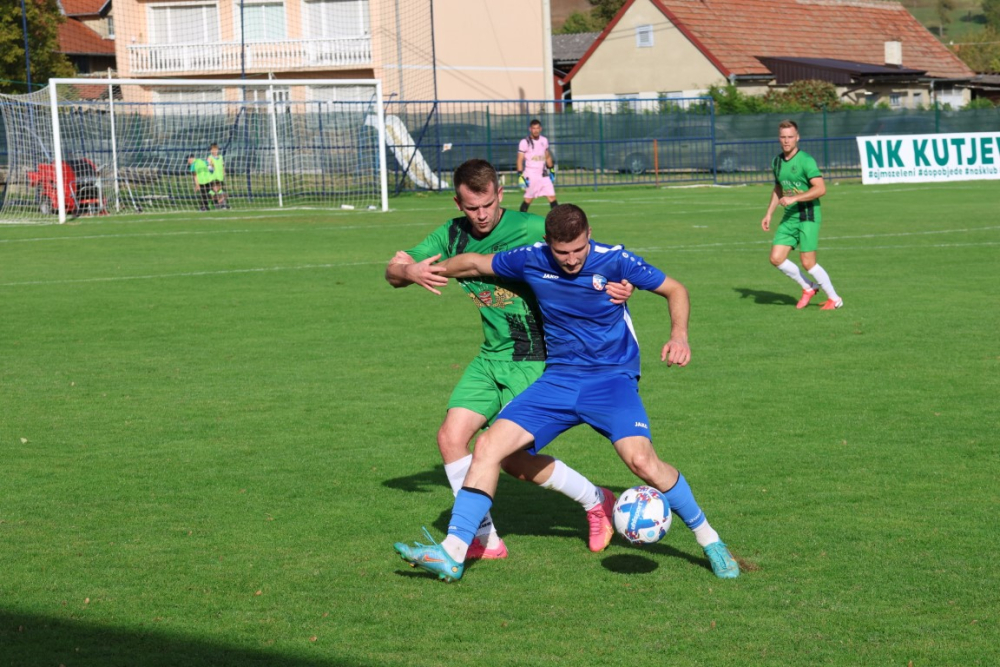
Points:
x=793, y=175
x=218, y=167
x=512, y=322
x=200, y=170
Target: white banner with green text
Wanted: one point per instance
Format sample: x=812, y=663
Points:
x=923, y=158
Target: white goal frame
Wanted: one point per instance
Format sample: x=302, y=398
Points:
x=266, y=84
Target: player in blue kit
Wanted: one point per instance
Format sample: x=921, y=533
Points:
x=591, y=377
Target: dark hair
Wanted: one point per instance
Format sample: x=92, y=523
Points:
x=477, y=175
x=788, y=123
x=213, y=146
x=190, y=155
x=534, y=121
x=565, y=223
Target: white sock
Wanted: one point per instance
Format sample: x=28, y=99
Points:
x=791, y=269
x=455, y=547
x=456, y=471
x=573, y=485
x=821, y=276
x=705, y=534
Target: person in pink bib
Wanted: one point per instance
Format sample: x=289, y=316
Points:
x=536, y=170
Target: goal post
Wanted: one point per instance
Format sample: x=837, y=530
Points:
x=112, y=146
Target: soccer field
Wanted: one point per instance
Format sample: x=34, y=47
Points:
x=214, y=427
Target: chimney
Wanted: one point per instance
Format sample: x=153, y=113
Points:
x=894, y=54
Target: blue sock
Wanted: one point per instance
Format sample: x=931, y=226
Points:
x=471, y=505
x=682, y=502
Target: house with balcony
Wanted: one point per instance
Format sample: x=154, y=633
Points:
x=871, y=50
x=462, y=50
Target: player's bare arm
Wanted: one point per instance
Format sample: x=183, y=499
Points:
x=817, y=188
x=403, y=270
x=765, y=223
x=677, y=351
x=466, y=265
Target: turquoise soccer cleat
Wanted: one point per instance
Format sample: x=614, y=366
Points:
x=432, y=558
x=723, y=563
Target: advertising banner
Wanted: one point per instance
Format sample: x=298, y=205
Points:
x=923, y=158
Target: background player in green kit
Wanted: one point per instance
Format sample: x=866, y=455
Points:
x=217, y=166
x=798, y=185
x=202, y=179
x=513, y=351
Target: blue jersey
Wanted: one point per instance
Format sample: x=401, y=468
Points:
x=582, y=327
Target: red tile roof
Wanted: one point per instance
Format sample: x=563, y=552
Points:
x=82, y=7
x=732, y=33
x=76, y=38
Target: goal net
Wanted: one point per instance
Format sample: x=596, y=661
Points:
x=124, y=146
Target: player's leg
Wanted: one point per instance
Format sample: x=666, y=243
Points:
x=786, y=237
x=454, y=439
x=551, y=473
x=513, y=377
x=627, y=426
x=807, y=255
x=472, y=503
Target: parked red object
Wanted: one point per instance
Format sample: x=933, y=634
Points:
x=82, y=184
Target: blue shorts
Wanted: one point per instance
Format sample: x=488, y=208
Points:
x=560, y=400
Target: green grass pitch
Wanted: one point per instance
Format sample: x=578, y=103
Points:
x=213, y=427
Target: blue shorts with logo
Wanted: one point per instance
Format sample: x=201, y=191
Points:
x=559, y=400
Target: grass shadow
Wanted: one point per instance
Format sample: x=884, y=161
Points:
x=766, y=298
x=32, y=639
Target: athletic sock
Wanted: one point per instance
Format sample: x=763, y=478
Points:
x=682, y=502
x=791, y=269
x=553, y=203
x=524, y=207
x=823, y=278
x=471, y=505
x=573, y=485
x=705, y=534
x=456, y=471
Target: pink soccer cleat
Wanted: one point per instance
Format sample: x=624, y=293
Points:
x=807, y=295
x=599, y=519
x=832, y=305
x=478, y=551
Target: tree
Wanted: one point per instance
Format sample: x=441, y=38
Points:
x=991, y=10
x=43, y=43
x=944, y=9
x=981, y=51
x=579, y=22
x=604, y=11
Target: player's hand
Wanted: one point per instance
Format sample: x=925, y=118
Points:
x=552, y=174
x=426, y=274
x=522, y=182
x=401, y=258
x=676, y=352
x=786, y=201
x=765, y=224
x=619, y=292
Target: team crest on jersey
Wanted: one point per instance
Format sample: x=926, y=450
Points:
x=599, y=282
x=499, y=298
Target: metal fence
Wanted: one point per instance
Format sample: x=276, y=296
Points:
x=647, y=142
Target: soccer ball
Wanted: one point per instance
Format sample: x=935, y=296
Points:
x=642, y=515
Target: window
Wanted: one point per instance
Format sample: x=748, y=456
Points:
x=643, y=36
x=111, y=27
x=336, y=18
x=187, y=24
x=262, y=20
x=175, y=100
x=895, y=100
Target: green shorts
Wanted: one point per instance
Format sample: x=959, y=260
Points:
x=800, y=234
x=489, y=384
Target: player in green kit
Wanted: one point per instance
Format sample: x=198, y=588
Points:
x=512, y=355
x=202, y=179
x=798, y=186
x=217, y=166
